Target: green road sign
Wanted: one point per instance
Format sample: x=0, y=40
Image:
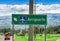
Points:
x=29, y=19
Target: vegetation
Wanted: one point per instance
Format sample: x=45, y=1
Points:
x=49, y=30
x=6, y=30
x=49, y=37
x=52, y=33
x=37, y=30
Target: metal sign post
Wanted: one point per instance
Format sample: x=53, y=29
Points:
x=45, y=33
x=13, y=32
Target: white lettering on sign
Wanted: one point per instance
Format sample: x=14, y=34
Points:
x=33, y=19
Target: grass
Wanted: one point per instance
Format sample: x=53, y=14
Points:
x=49, y=37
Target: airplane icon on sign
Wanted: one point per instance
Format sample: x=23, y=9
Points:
x=22, y=19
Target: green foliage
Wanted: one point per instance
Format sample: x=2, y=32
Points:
x=53, y=30
x=7, y=30
x=36, y=30
x=49, y=37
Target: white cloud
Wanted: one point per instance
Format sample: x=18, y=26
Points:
x=24, y=6
x=53, y=8
x=6, y=10
x=53, y=19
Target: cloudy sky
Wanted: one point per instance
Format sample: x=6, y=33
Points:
x=7, y=7
x=49, y=7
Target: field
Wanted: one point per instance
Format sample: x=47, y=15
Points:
x=49, y=37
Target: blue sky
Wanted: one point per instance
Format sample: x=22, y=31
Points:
x=14, y=1
x=45, y=2
x=27, y=1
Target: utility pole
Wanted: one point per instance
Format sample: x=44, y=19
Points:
x=31, y=28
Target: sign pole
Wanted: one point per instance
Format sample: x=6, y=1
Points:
x=45, y=33
x=31, y=32
x=13, y=32
x=25, y=30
